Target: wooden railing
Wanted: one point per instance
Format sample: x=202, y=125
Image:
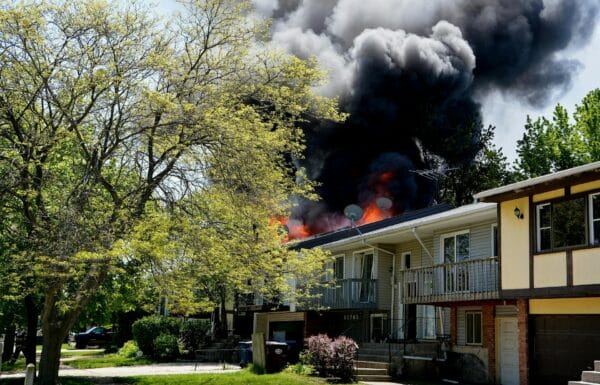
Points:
x=472, y=279
x=353, y=293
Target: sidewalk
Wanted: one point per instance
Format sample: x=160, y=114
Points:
x=141, y=370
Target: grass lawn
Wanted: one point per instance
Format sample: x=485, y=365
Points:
x=106, y=361
x=18, y=365
x=243, y=377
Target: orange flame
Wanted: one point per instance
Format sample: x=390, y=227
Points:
x=373, y=213
x=295, y=229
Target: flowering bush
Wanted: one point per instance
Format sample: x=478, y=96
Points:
x=332, y=358
x=320, y=353
x=342, y=360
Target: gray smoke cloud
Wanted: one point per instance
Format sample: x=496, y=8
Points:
x=410, y=73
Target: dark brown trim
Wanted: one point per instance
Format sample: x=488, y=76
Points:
x=553, y=292
x=570, y=268
x=532, y=237
x=499, y=250
x=588, y=176
x=566, y=197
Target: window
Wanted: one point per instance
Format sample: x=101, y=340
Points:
x=594, y=209
x=561, y=224
x=455, y=247
x=338, y=268
x=473, y=327
x=494, y=240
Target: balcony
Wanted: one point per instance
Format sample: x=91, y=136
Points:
x=353, y=293
x=473, y=279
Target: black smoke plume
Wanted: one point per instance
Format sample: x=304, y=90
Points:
x=410, y=73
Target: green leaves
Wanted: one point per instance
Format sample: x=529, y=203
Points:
x=550, y=145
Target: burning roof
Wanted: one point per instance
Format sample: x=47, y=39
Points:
x=334, y=236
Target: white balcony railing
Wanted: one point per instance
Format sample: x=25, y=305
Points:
x=472, y=279
x=353, y=293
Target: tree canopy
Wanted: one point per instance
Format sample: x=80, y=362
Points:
x=560, y=142
x=112, y=122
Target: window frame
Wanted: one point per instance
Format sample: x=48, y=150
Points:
x=473, y=313
x=495, y=239
x=587, y=222
x=591, y=219
x=335, y=267
x=454, y=235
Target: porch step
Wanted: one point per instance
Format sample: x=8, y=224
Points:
x=371, y=365
x=590, y=376
x=374, y=378
x=597, y=366
x=383, y=358
x=372, y=371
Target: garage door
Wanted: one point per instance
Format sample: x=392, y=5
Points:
x=562, y=346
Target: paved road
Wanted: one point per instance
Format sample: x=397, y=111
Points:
x=141, y=370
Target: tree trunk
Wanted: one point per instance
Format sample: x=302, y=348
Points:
x=223, y=315
x=32, y=323
x=50, y=359
x=9, y=342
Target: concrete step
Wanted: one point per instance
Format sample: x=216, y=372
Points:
x=370, y=371
x=597, y=366
x=371, y=364
x=372, y=350
x=374, y=357
x=374, y=378
x=374, y=345
x=590, y=376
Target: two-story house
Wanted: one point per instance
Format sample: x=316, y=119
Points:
x=418, y=278
x=549, y=248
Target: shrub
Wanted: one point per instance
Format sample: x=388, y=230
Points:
x=194, y=334
x=129, y=350
x=320, y=353
x=166, y=347
x=147, y=329
x=342, y=359
x=331, y=358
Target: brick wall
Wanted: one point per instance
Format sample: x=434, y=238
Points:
x=489, y=337
x=522, y=319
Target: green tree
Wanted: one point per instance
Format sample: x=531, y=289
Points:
x=488, y=169
x=105, y=113
x=550, y=145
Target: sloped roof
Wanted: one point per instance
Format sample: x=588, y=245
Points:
x=586, y=172
x=334, y=236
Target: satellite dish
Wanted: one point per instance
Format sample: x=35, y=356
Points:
x=383, y=203
x=353, y=212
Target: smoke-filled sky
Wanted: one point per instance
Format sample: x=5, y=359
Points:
x=501, y=109
x=420, y=79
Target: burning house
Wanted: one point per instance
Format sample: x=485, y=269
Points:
x=425, y=278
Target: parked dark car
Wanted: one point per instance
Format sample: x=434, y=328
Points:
x=95, y=336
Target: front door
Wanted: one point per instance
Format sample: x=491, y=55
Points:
x=378, y=333
x=509, y=351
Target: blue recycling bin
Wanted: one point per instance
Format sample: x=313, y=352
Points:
x=245, y=353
